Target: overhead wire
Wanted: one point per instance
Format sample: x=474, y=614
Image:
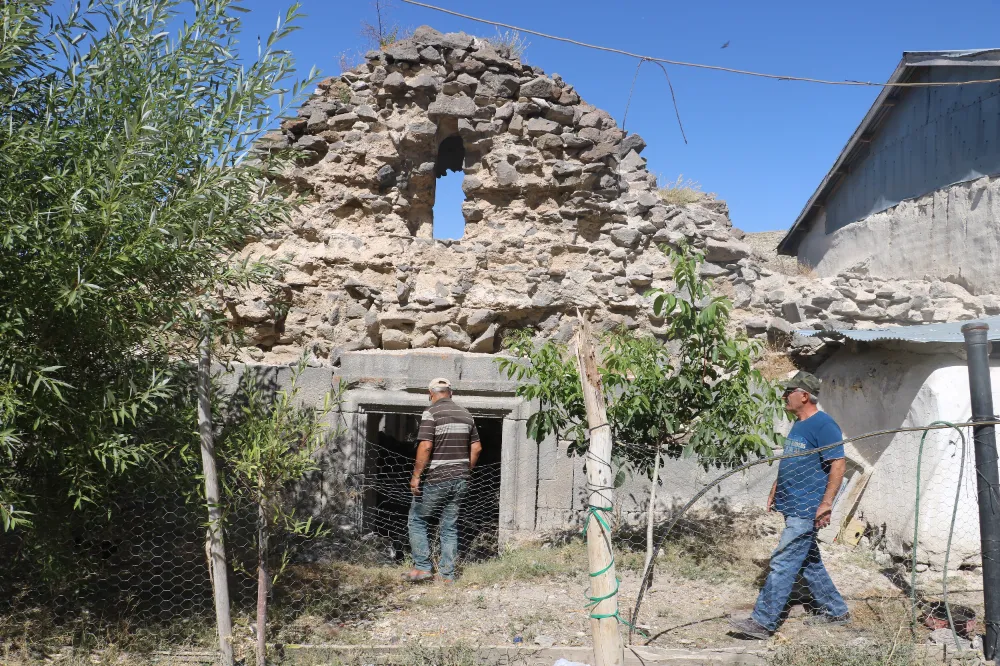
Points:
x=697, y=65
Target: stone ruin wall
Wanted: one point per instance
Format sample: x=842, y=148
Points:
x=561, y=213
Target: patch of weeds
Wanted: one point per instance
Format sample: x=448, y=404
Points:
x=527, y=563
x=432, y=600
x=341, y=92
x=454, y=655
x=878, y=653
x=805, y=270
x=715, y=546
x=682, y=192
x=510, y=44
x=39, y=630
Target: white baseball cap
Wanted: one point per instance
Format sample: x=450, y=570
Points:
x=439, y=383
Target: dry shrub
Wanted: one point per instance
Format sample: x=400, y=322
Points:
x=805, y=270
x=682, y=192
x=775, y=365
x=510, y=44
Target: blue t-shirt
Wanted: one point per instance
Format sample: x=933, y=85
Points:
x=802, y=480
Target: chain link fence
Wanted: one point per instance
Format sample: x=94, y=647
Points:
x=902, y=550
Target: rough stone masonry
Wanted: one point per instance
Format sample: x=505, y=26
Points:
x=560, y=210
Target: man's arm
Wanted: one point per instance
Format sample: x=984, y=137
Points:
x=423, y=457
x=474, y=450
x=770, y=498
x=825, y=510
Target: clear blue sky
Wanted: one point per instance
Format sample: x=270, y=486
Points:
x=761, y=145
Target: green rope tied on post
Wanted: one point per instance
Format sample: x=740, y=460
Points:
x=595, y=512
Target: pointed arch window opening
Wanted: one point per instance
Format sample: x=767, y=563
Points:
x=449, y=172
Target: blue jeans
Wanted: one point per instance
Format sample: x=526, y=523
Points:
x=797, y=554
x=445, y=497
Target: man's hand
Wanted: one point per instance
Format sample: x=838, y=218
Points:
x=415, y=486
x=823, y=514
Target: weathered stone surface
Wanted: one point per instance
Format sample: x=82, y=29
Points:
x=454, y=337
x=486, y=342
x=626, y=237
x=393, y=339
x=498, y=85
x=539, y=126
x=729, y=251
x=431, y=54
x=424, y=82
x=457, y=106
x=507, y=175
x=541, y=87
x=403, y=51
x=394, y=81
x=630, y=143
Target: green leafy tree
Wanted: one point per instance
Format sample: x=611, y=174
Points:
x=124, y=128
x=267, y=450
x=691, y=391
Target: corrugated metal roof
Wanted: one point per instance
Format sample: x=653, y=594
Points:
x=947, y=332
x=876, y=114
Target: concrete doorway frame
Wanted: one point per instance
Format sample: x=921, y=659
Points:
x=519, y=453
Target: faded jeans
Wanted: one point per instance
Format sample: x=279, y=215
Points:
x=445, y=497
x=797, y=554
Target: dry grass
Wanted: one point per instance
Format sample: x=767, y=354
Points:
x=805, y=270
x=775, y=365
x=683, y=192
x=527, y=562
x=510, y=44
x=883, y=618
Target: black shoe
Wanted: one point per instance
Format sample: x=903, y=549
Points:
x=750, y=627
x=827, y=620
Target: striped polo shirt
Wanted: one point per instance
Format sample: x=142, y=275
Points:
x=451, y=430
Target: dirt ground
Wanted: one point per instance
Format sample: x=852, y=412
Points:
x=536, y=595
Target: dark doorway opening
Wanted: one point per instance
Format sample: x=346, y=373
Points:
x=390, y=454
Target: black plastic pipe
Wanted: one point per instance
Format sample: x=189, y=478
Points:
x=987, y=476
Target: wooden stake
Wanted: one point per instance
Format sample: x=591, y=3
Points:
x=600, y=491
x=213, y=537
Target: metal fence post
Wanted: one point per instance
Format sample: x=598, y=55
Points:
x=987, y=476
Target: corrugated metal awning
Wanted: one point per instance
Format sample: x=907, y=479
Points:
x=947, y=332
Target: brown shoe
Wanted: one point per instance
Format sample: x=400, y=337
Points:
x=417, y=576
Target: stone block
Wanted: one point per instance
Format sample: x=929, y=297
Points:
x=395, y=339
x=541, y=87
x=457, y=106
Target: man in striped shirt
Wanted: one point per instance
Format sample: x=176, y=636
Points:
x=448, y=450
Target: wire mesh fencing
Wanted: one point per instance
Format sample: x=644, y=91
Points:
x=902, y=551
x=133, y=573
x=899, y=549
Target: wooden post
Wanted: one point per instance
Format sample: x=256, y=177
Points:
x=600, y=490
x=214, y=546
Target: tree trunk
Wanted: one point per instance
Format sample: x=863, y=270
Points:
x=214, y=545
x=600, y=485
x=262, y=584
x=650, y=519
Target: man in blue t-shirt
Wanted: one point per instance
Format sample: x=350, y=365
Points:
x=803, y=493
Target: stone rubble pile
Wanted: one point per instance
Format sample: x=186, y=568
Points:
x=851, y=301
x=560, y=213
